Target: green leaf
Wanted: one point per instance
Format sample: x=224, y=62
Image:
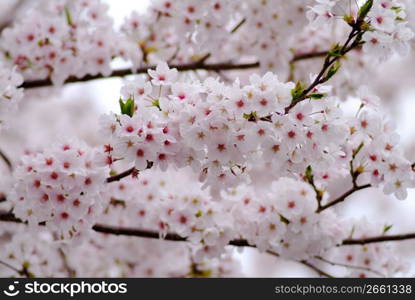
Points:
x=336, y=51
x=127, y=107
x=251, y=117
x=316, y=96
x=309, y=174
x=364, y=10
x=357, y=150
x=397, y=9
x=386, y=228
x=156, y=103
x=116, y=202
x=349, y=19
x=68, y=16
x=284, y=219
x=297, y=92
x=333, y=70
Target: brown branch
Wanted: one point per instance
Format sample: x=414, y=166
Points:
x=122, y=175
x=9, y=217
x=316, y=269
x=226, y=66
x=308, y=55
x=23, y=272
x=6, y=159
x=378, y=239
x=349, y=266
x=353, y=41
x=11, y=15
x=235, y=29
x=132, y=171
x=342, y=197
x=71, y=272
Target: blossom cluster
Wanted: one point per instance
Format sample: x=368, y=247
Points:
x=59, y=39
x=60, y=188
x=35, y=254
x=188, y=30
x=225, y=131
x=371, y=260
x=388, y=30
x=10, y=94
x=282, y=219
x=200, y=156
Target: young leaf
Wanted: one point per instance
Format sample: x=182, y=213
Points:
x=127, y=107
x=316, y=96
x=297, y=91
x=386, y=228
x=333, y=70
x=364, y=10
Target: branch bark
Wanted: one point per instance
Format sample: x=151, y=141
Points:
x=351, y=43
x=308, y=55
x=379, y=239
x=6, y=159
x=343, y=197
x=9, y=217
x=122, y=175
x=225, y=66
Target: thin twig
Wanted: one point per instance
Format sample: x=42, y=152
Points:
x=316, y=269
x=6, y=216
x=354, y=39
x=309, y=55
x=122, y=175
x=6, y=159
x=68, y=268
x=10, y=267
x=378, y=239
x=235, y=29
x=23, y=272
x=349, y=266
x=343, y=197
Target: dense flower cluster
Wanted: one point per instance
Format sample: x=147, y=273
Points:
x=201, y=158
x=59, y=188
x=30, y=253
x=282, y=220
x=58, y=39
x=10, y=94
x=389, y=32
x=367, y=260
x=223, y=132
x=35, y=254
x=188, y=30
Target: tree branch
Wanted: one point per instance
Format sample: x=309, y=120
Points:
x=349, y=266
x=342, y=197
x=9, y=217
x=308, y=55
x=122, y=175
x=379, y=239
x=353, y=38
x=317, y=270
x=6, y=159
x=125, y=72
